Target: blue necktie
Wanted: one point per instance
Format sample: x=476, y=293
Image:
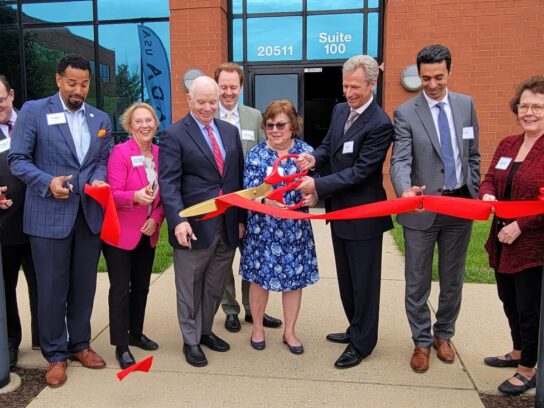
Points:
x=450, y=179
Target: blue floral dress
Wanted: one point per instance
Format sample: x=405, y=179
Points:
x=277, y=254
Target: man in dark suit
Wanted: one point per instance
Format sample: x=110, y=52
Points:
x=355, y=148
x=60, y=144
x=199, y=159
x=436, y=151
x=15, y=244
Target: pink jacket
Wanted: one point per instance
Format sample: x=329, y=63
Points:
x=124, y=180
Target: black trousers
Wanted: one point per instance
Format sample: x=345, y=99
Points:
x=358, y=266
x=520, y=296
x=129, y=273
x=13, y=257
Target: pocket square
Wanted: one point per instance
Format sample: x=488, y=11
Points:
x=102, y=133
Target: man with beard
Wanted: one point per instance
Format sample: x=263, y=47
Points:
x=60, y=144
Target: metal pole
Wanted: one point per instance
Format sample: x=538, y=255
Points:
x=4, y=355
x=539, y=399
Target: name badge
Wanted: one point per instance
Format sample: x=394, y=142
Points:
x=137, y=161
x=5, y=144
x=503, y=163
x=248, y=135
x=468, y=133
x=281, y=171
x=56, y=118
x=348, y=147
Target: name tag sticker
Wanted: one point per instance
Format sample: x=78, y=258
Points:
x=137, y=161
x=348, y=147
x=468, y=133
x=5, y=144
x=56, y=118
x=503, y=163
x=248, y=135
x=281, y=172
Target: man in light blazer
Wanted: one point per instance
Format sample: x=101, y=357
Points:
x=230, y=78
x=436, y=153
x=199, y=159
x=354, y=149
x=61, y=143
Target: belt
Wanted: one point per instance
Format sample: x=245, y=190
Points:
x=458, y=192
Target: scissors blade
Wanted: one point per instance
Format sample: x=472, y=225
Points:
x=208, y=206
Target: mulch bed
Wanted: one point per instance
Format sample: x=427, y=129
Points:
x=506, y=401
x=32, y=382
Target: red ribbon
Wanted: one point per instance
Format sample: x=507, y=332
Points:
x=144, y=365
x=111, y=229
x=456, y=207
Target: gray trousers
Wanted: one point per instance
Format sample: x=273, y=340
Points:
x=452, y=236
x=200, y=282
x=229, y=303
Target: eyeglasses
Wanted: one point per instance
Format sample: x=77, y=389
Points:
x=279, y=125
x=536, y=109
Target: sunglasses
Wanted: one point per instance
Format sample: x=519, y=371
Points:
x=279, y=125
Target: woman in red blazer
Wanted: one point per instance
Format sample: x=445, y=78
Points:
x=515, y=245
x=132, y=175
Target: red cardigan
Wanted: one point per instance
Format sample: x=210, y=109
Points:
x=528, y=249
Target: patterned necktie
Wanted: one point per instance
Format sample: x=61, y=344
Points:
x=229, y=117
x=218, y=156
x=353, y=115
x=450, y=179
x=10, y=127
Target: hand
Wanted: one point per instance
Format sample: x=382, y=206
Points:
x=274, y=203
x=149, y=227
x=241, y=230
x=307, y=186
x=184, y=234
x=60, y=187
x=143, y=196
x=310, y=200
x=415, y=191
x=305, y=161
x=99, y=183
x=4, y=202
x=509, y=233
x=489, y=197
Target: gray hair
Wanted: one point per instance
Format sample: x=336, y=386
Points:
x=366, y=62
x=202, y=81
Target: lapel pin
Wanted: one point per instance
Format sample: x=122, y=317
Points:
x=91, y=115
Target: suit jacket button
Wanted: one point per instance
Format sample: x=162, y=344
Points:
x=442, y=171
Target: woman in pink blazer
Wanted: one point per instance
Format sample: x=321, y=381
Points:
x=132, y=175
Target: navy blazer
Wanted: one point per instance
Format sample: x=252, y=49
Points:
x=40, y=151
x=189, y=175
x=356, y=175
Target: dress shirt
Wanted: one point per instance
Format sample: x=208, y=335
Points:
x=4, y=126
x=77, y=122
x=207, y=138
x=234, y=119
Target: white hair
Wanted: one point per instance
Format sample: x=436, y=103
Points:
x=369, y=65
x=203, y=82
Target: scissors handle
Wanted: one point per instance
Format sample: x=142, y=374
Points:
x=277, y=194
x=275, y=178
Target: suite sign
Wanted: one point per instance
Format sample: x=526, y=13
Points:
x=337, y=36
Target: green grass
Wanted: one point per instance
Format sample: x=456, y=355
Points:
x=163, y=254
x=477, y=270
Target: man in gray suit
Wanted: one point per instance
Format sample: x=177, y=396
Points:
x=436, y=152
x=230, y=77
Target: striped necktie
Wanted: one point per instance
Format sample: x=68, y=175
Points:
x=218, y=156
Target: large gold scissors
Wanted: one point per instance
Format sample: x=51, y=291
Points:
x=266, y=189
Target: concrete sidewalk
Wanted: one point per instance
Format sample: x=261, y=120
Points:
x=275, y=377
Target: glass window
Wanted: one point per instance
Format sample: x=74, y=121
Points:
x=336, y=36
x=276, y=6
x=10, y=65
x=269, y=88
x=120, y=52
x=237, y=39
x=44, y=47
x=119, y=9
x=373, y=3
x=58, y=12
x=8, y=14
x=313, y=5
x=237, y=7
x=274, y=39
x=372, y=35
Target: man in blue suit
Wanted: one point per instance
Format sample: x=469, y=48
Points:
x=355, y=148
x=59, y=144
x=200, y=158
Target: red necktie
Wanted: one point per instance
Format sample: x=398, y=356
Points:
x=216, y=150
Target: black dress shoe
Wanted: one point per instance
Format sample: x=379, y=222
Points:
x=258, y=345
x=195, y=356
x=214, y=343
x=144, y=342
x=13, y=353
x=508, y=388
x=343, y=338
x=508, y=361
x=294, y=349
x=125, y=358
x=232, y=324
x=349, y=358
x=268, y=321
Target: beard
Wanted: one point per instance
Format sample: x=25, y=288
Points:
x=73, y=103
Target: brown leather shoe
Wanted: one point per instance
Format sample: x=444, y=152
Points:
x=420, y=359
x=444, y=350
x=88, y=358
x=56, y=374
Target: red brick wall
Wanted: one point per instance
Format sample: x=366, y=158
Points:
x=198, y=39
x=495, y=45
